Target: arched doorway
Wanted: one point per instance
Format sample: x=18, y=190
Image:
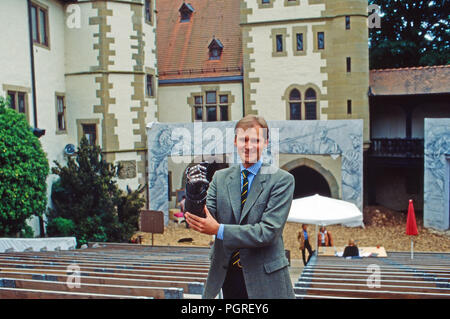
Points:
x=312, y=178
x=309, y=182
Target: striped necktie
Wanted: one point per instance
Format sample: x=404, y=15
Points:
x=244, y=191
x=235, y=258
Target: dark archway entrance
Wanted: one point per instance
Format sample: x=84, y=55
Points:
x=309, y=182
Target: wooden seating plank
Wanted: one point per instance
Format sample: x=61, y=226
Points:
x=161, y=276
x=103, y=289
x=190, y=287
x=14, y=293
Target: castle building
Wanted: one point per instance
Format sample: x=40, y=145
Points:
x=105, y=69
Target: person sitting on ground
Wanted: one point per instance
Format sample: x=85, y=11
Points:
x=324, y=238
x=351, y=250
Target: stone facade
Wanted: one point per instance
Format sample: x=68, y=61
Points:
x=291, y=144
x=437, y=173
x=322, y=69
x=97, y=57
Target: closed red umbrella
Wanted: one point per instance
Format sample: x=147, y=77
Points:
x=411, y=225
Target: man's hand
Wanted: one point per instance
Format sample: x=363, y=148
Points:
x=207, y=225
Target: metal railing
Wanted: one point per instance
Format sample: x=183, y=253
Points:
x=397, y=147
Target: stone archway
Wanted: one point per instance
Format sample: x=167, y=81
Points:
x=319, y=179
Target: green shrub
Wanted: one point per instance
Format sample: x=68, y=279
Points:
x=60, y=227
x=27, y=232
x=128, y=209
x=87, y=194
x=23, y=172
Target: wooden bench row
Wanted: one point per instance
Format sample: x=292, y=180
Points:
x=64, y=263
x=337, y=278
x=78, y=259
x=102, y=289
x=113, y=272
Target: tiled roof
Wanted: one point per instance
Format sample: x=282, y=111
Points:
x=409, y=81
x=183, y=47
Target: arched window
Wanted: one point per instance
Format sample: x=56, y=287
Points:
x=310, y=105
x=295, y=104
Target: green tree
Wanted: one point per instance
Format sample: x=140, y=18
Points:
x=87, y=202
x=23, y=172
x=412, y=33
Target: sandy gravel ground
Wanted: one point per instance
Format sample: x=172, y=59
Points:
x=384, y=227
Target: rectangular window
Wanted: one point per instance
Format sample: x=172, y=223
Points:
x=43, y=26
x=149, y=85
x=211, y=98
x=310, y=111
x=224, y=99
x=90, y=132
x=18, y=101
x=321, y=40
x=12, y=99
x=349, y=64
x=299, y=41
x=211, y=107
x=295, y=111
x=61, y=113
x=279, y=43
x=34, y=23
x=265, y=1
x=198, y=108
x=224, y=112
x=148, y=11
x=39, y=24
x=349, y=106
x=223, y=107
x=199, y=113
x=21, y=102
x=211, y=113
x=347, y=22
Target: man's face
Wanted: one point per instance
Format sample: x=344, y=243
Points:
x=250, y=144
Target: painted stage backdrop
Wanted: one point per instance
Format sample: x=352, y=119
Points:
x=436, y=173
x=333, y=137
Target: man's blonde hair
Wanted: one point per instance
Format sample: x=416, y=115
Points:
x=250, y=121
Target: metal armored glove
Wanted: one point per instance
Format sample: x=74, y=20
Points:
x=196, y=189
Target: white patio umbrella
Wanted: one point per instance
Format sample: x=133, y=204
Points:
x=323, y=211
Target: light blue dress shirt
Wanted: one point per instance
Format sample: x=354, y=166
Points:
x=253, y=171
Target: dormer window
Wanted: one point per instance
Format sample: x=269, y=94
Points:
x=186, y=11
x=215, y=49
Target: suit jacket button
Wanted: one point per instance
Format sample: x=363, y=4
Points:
x=225, y=267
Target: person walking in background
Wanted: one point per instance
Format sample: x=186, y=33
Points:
x=324, y=238
x=303, y=239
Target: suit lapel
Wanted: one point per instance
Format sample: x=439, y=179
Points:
x=255, y=190
x=234, y=191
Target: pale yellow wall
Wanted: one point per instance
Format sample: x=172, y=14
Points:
x=15, y=68
x=298, y=70
x=120, y=21
x=173, y=100
x=15, y=60
x=280, y=10
x=81, y=97
x=79, y=42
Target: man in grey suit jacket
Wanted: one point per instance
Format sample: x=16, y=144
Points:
x=253, y=233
